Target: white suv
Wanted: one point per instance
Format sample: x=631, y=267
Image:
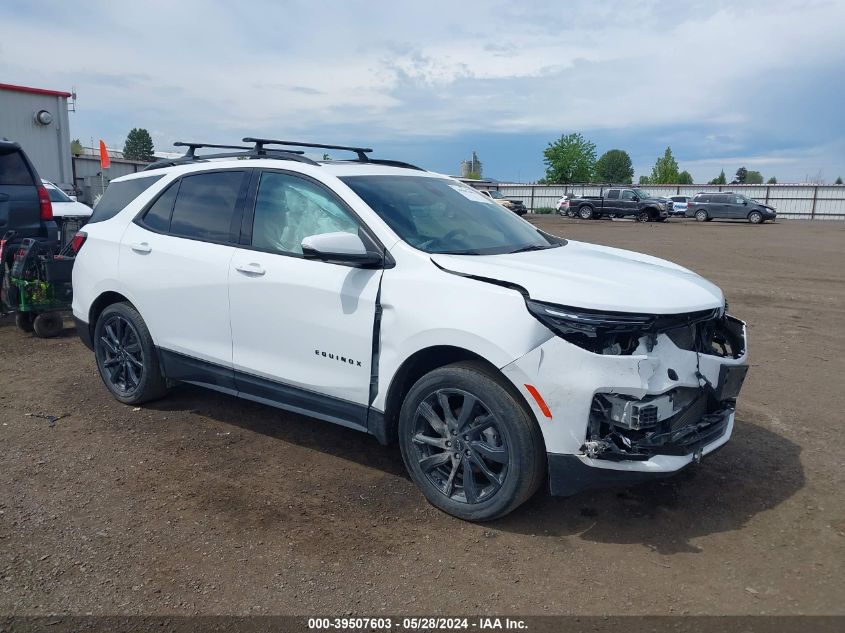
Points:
x=407, y=305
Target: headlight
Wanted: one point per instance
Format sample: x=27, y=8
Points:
x=615, y=333
x=600, y=333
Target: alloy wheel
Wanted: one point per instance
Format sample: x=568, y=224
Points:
x=121, y=355
x=460, y=446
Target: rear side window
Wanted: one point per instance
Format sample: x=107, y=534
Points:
x=613, y=194
x=13, y=170
x=120, y=194
x=206, y=204
x=157, y=217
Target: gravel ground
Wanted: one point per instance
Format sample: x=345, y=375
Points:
x=204, y=504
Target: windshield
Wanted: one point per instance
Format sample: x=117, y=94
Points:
x=496, y=194
x=640, y=193
x=437, y=215
x=56, y=194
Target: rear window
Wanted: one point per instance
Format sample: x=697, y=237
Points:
x=13, y=170
x=157, y=217
x=120, y=194
x=205, y=205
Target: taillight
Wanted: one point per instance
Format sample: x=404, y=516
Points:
x=44, y=201
x=77, y=241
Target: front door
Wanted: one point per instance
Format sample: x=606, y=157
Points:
x=302, y=329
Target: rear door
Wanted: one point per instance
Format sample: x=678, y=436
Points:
x=611, y=201
x=175, y=259
x=302, y=329
x=20, y=210
x=719, y=207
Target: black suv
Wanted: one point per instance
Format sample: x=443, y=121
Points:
x=25, y=206
x=728, y=206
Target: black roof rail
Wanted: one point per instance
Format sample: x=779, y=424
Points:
x=261, y=142
x=191, y=156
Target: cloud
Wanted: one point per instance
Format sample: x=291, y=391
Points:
x=715, y=80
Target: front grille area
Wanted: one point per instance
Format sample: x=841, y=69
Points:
x=678, y=423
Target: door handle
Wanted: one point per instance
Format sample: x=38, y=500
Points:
x=141, y=247
x=250, y=269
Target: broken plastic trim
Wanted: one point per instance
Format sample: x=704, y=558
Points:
x=697, y=420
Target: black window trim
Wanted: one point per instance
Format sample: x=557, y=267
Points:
x=237, y=215
x=371, y=241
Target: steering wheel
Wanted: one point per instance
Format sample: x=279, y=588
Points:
x=453, y=234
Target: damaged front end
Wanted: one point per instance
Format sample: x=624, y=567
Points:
x=691, y=370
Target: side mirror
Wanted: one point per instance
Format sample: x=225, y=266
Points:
x=636, y=198
x=745, y=202
x=339, y=248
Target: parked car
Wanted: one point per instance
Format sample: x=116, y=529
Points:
x=729, y=206
x=679, y=205
x=25, y=207
x=70, y=214
x=513, y=204
x=562, y=205
x=405, y=304
x=622, y=202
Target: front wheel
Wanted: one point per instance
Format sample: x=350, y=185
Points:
x=755, y=217
x=473, y=449
x=23, y=321
x=126, y=355
x=643, y=216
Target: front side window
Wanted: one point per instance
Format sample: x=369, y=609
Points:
x=205, y=205
x=496, y=195
x=627, y=195
x=288, y=209
x=437, y=215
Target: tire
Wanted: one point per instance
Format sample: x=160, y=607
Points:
x=643, y=216
x=48, y=324
x=755, y=217
x=501, y=476
x=126, y=356
x=585, y=212
x=701, y=215
x=23, y=321
x=571, y=213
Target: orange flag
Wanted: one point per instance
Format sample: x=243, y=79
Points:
x=105, y=161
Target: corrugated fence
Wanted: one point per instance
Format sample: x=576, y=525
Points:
x=800, y=202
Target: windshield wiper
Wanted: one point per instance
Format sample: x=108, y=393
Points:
x=533, y=247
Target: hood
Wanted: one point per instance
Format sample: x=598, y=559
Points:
x=71, y=209
x=594, y=277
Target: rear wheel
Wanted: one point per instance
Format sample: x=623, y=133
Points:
x=585, y=212
x=48, y=324
x=701, y=215
x=126, y=355
x=755, y=217
x=23, y=321
x=571, y=213
x=473, y=449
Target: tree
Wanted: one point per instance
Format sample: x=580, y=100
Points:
x=645, y=180
x=685, y=178
x=665, y=170
x=754, y=178
x=838, y=181
x=719, y=180
x=772, y=181
x=474, y=175
x=615, y=166
x=571, y=158
x=741, y=176
x=76, y=147
x=139, y=145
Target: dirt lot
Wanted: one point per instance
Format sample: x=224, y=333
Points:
x=202, y=503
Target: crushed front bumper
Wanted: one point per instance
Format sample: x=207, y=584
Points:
x=615, y=419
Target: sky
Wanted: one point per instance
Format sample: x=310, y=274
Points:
x=724, y=84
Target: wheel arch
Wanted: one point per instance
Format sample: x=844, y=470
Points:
x=103, y=301
x=421, y=362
